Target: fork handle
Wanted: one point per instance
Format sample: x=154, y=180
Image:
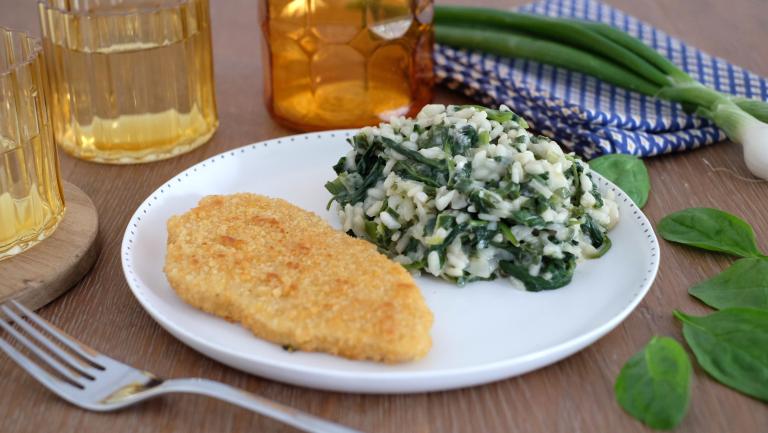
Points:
x=260, y=405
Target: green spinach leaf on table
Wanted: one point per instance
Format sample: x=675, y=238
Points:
x=710, y=229
x=654, y=385
x=744, y=284
x=628, y=172
x=732, y=346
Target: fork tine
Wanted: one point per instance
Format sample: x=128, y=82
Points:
x=67, y=340
x=79, y=366
x=45, y=357
x=60, y=387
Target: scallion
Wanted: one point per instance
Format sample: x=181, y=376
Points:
x=611, y=55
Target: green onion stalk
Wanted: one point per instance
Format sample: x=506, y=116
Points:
x=611, y=55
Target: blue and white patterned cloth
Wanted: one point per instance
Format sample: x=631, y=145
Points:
x=585, y=114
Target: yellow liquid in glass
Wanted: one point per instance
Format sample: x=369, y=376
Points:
x=31, y=203
x=133, y=102
x=346, y=63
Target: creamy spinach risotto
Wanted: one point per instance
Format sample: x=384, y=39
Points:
x=466, y=193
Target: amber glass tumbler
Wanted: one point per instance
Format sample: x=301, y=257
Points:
x=31, y=198
x=346, y=63
x=131, y=80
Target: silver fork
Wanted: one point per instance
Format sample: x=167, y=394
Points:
x=93, y=381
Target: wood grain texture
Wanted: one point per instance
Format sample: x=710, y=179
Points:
x=45, y=271
x=575, y=395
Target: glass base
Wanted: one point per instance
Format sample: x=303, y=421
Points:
x=309, y=124
x=137, y=157
x=29, y=241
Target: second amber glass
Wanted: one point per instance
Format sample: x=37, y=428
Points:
x=346, y=63
x=131, y=80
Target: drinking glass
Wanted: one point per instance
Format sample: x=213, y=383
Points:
x=31, y=197
x=131, y=80
x=346, y=63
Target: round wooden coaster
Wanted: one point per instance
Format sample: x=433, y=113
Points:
x=45, y=271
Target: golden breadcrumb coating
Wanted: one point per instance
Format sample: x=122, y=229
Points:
x=289, y=277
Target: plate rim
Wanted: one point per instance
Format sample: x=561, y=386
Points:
x=567, y=348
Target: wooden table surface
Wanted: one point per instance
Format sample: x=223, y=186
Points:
x=574, y=395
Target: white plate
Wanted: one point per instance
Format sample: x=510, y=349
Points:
x=483, y=332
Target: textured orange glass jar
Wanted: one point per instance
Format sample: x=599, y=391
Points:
x=346, y=63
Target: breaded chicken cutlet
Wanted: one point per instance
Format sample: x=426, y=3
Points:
x=292, y=279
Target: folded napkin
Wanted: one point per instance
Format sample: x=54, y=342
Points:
x=585, y=114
